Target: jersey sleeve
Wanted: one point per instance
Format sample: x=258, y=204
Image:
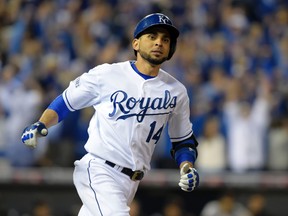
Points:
x=83, y=91
x=179, y=125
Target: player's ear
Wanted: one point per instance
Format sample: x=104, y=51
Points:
x=135, y=44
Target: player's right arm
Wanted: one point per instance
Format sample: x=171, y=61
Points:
x=82, y=92
x=49, y=118
x=55, y=113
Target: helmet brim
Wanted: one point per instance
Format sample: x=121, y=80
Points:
x=173, y=31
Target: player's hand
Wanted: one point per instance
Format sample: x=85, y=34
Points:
x=29, y=136
x=189, y=180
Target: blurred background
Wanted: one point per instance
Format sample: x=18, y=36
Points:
x=232, y=55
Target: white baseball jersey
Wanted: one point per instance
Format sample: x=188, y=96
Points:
x=130, y=112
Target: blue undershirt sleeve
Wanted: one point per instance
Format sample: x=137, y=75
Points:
x=185, y=150
x=185, y=154
x=59, y=106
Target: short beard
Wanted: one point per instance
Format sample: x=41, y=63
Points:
x=150, y=59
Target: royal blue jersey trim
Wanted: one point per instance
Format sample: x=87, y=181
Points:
x=138, y=72
x=65, y=94
x=177, y=138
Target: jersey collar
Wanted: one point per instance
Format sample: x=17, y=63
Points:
x=132, y=63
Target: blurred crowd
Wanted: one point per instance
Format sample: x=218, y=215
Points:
x=232, y=55
x=224, y=204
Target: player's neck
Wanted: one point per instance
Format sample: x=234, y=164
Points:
x=147, y=68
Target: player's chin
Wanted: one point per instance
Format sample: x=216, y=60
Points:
x=157, y=55
x=157, y=60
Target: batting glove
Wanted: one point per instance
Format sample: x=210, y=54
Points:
x=189, y=178
x=29, y=136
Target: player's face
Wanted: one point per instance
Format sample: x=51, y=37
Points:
x=154, y=45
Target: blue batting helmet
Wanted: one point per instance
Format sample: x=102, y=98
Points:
x=158, y=19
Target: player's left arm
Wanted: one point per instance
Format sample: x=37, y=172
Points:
x=184, y=143
x=185, y=155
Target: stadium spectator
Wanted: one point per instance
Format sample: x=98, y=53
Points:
x=278, y=145
x=174, y=206
x=12, y=95
x=247, y=125
x=257, y=205
x=42, y=208
x=225, y=205
x=136, y=208
x=212, y=151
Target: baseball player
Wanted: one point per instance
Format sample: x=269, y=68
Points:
x=133, y=101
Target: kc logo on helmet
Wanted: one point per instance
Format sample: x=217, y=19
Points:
x=164, y=19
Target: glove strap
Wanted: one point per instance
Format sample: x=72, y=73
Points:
x=41, y=128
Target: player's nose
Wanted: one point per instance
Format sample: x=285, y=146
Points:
x=159, y=41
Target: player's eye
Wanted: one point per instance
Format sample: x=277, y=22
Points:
x=166, y=40
x=152, y=36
